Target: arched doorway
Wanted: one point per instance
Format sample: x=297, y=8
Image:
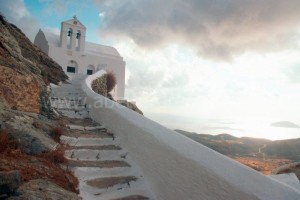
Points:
x=72, y=67
x=90, y=70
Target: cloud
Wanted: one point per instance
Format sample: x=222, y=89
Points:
x=285, y=124
x=16, y=13
x=293, y=73
x=217, y=29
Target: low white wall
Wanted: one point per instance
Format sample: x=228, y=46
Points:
x=177, y=167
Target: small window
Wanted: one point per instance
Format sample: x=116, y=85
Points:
x=71, y=69
x=89, y=72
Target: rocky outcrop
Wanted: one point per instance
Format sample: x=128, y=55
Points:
x=28, y=130
x=24, y=70
x=21, y=92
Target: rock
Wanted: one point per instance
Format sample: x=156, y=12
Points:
x=9, y=182
x=31, y=140
x=44, y=189
x=130, y=105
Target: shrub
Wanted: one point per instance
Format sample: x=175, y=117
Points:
x=111, y=81
x=56, y=133
x=7, y=142
x=99, y=85
x=4, y=141
x=56, y=156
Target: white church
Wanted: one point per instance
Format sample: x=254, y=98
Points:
x=77, y=56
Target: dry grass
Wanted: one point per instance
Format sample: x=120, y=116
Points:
x=56, y=133
x=4, y=141
x=46, y=166
x=7, y=143
x=32, y=167
x=264, y=166
x=56, y=156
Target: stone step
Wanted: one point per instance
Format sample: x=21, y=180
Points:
x=81, y=122
x=81, y=141
x=86, y=128
x=100, y=164
x=88, y=173
x=94, y=155
x=111, y=181
x=113, y=187
x=104, y=147
x=72, y=114
x=136, y=190
x=67, y=104
x=67, y=93
x=87, y=134
x=132, y=197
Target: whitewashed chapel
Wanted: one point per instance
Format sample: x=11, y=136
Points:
x=76, y=55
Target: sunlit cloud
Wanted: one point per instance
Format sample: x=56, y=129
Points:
x=215, y=29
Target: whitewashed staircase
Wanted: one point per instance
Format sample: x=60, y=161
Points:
x=104, y=168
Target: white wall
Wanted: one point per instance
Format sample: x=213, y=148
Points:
x=177, y=167
x=62, y=56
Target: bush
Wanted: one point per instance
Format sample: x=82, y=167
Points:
x=99, y=85
x=56, y=133
x=104, y=84
x=111, y=81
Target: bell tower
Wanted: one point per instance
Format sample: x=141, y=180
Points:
x=72, y=35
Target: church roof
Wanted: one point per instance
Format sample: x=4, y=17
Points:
x=97, y=49
x=74, y=21
x=90, y=48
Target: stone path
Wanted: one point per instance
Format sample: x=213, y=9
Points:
x=104, y=168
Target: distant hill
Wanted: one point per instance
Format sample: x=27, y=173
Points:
x=233, y=146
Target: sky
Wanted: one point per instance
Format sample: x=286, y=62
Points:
x=207, y=66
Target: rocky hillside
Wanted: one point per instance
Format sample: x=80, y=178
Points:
x=31, y=156
x=25, y=70
x=260, y=154
x=245, y=146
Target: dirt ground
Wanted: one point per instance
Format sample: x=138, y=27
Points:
x=264, y=166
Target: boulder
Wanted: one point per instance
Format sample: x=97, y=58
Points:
x=44, y=189
x=130, y=105
x=9, y=182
